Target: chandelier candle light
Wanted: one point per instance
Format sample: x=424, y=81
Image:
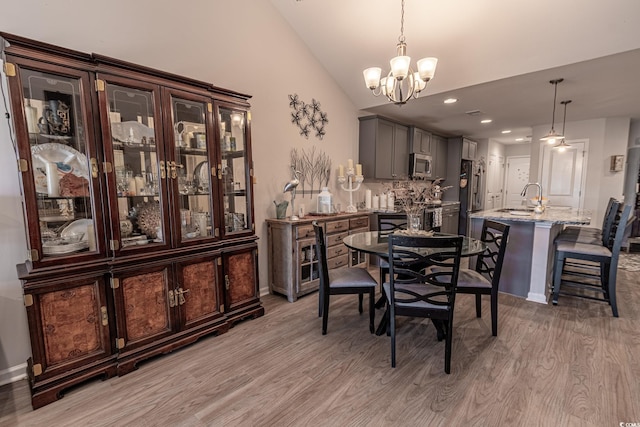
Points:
x=351, y=176
x=402, y=82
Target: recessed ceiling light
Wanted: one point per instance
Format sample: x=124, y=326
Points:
x=506, y=131
x=450, y=100
x=519, y=139
x=485, y=121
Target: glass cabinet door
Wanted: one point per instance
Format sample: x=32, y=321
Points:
x=191, y=168
x=133, y=147
x=59, y=163
x=234, y=170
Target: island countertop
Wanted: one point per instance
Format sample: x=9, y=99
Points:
x=551, y=215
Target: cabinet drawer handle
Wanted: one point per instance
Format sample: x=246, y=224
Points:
x=163, y=173
x=172, y=299
x=180, y=293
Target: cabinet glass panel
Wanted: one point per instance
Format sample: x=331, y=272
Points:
x=234, y=170
x=192, y=168
x=56, y=124
x=135, y=165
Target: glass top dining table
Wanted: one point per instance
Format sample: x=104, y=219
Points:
x=378, y=244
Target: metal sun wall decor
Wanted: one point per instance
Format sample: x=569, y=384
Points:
x=312, y=167
x=308, y=117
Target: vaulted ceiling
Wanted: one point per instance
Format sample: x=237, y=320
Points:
x=495, y=56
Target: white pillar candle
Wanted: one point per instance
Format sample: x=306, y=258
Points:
x=375, y=202
x=383, y=201
x=350, y=164
x=367, y=199
x=341, y=171
x=391, y=201
x=53, y=180
x=358, y=169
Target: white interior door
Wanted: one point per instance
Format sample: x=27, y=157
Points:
x=562, y=174
x=495, y=179
x=516, y=177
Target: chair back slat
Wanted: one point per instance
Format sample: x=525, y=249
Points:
x=390, y=222
x=489, y=263
x=321, y=253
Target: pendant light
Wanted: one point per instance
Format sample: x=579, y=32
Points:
x=562, y=146
x=552, y=136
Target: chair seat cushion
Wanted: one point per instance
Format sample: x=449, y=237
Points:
x=351, y=278
x=472, y=279
x=590, y=239
x=578, y=229
x=420, y=289
x=583, y=249
x=383, y=263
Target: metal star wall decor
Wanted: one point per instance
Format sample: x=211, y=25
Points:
x=309, y=118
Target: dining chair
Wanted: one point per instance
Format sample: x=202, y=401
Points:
x=387, y=224
x=416, y=291
x=485, y=278
x=588, y=267
x=339, y=281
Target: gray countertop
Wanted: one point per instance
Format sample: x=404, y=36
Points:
x=551, y=215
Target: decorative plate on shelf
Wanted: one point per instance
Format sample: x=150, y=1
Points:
x=55, y=247
x=67, y=161
x=76, y=227
x=149, y=219
x=202, y=175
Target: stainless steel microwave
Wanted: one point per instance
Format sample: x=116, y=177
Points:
x=420, y=165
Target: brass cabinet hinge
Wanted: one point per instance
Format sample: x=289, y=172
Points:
x=106, y=166
x=251, y=172
x=219, y=261
x=37, y=369
x=9, y=69
x=219, y=171
x=222, y=308
x=209, y=107
x=217, y=232
x=99, y=85
x=94, y=167
x=119, y=343
x=226, y=281
x=163, y=173
x=115, y=283
x=34, y=255
x=23, y=165
x=114, y=245
x=28, y=300
x=105, y=317
x=213, y=171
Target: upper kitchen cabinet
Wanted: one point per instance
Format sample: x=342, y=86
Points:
x=469, y=149
x=440, y=157
x=58, y=160
x=384, y=148
x=420, y=141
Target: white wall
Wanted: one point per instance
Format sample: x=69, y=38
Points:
x=606, y=137
x=243, y=45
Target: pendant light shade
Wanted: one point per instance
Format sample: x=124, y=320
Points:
x=553, y=136
x=562, y=145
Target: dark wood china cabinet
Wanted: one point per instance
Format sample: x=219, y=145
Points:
x=138, y=201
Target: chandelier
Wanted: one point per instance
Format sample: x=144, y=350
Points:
x=402, y=82
x=562, y=145
x=552, y=136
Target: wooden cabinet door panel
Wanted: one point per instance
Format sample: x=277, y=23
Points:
x=240, y=278
x=143, y=307
x=201, y=297
x=72, y=325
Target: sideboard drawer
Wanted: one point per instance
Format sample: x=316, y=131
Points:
x=336, y=239
x=359, y=222
x=334, y=226
x=339, y=261
x=337, y=250
x=305, y=231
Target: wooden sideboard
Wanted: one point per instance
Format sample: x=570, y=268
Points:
x=293, y=264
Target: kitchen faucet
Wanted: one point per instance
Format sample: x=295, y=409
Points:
x=539, y=208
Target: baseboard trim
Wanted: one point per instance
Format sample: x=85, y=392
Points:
x=13, y=374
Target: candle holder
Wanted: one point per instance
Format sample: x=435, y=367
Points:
x=349, y=179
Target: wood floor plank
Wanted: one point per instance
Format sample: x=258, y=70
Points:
x=571, y=364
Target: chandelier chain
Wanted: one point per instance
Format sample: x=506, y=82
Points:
x=401, y=37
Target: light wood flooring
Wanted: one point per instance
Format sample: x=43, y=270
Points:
x=569, y=365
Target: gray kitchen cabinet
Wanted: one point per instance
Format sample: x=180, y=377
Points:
x=450, y=213
x=469, y=149
x=384, y=148
x=420, y=141
x=439, y=145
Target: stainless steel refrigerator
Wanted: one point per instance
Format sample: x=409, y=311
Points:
x=471, y=192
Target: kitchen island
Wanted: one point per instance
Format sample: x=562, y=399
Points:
x=528, y=263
